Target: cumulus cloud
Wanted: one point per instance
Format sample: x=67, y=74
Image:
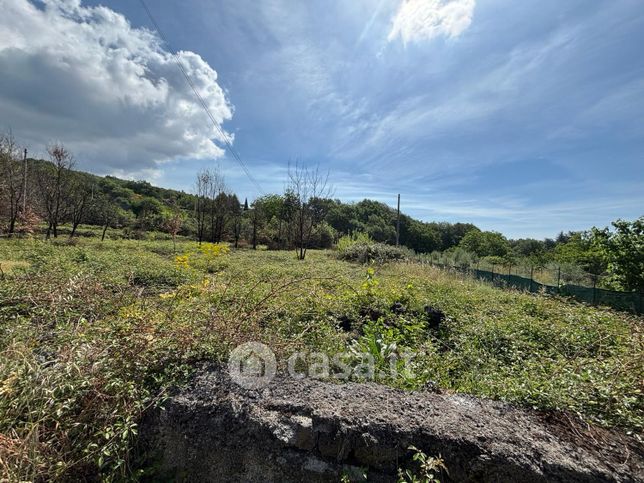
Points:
x=418, y=20
x=112, y=93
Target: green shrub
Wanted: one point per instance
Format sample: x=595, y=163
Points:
x=376, y=252
x=360, y=248
x=347, y=241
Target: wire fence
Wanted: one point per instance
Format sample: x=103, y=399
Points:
x=550, y=281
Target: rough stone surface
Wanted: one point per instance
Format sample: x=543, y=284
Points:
x=309, y=430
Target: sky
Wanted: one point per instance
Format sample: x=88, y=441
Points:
x=521, y=117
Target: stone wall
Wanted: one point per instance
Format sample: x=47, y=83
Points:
x=309, y=430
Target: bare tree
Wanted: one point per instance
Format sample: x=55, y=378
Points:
x=78, y=198
x=209, y=186
x=218, y=206
x=220, y=209
x=11, y=185
x=53, y=183
x=306, y=186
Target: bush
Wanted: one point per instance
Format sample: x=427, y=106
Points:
x=348, y=241
x=459, y=257
x=362, y=249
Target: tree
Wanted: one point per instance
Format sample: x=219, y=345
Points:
x=305, y=187
x=108, y=214
x=235, y=210
x=149, y=214
x=266, y=214
x=623, y=249
x=485, y=243
x=580, y=250
x=288, y=209
x=421, y=237
x=53, y=182
x=102, y=211
x=210, y=204
x=255, y=219
x=525, y=247
x=341, y=217
x=11, y=186
x=78, y=199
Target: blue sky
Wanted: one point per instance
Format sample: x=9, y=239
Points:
x=522, y=117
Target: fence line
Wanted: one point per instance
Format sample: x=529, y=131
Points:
x=630, y=301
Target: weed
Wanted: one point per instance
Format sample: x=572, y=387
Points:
x=429, y=468
x=93, y=335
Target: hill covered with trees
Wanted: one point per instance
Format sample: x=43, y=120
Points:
x=43, y=195
x=58, y=194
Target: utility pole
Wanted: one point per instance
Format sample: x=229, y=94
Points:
x=24, y=183
x=398, y=222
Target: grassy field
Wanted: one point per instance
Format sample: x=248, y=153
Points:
x=94, y=333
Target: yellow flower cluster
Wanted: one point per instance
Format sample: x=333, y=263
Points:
x=208, y=251
x=130, y=312
x=182, y=261
x=213, y=250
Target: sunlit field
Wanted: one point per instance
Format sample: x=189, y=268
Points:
x=92, y=334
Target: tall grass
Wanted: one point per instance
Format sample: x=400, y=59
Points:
x=94, y=334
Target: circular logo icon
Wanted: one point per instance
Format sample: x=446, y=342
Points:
x=252, y=365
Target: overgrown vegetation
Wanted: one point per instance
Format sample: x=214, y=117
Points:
x=95, y=328
x=39, y=196
x=361, y=248
x=430, y=468
x=609, y=258
x=92, y=334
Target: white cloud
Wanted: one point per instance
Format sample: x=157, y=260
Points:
x=112, y=93
x=418, y=20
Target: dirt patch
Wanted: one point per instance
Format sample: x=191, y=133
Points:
x=309, y=430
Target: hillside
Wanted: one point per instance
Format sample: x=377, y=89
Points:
x=140, y=206
x=61, y=198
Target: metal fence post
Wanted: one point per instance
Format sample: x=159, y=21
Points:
x=558, y=278
x=531, y=277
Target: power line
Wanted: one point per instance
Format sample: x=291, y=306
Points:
x=202, y=101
